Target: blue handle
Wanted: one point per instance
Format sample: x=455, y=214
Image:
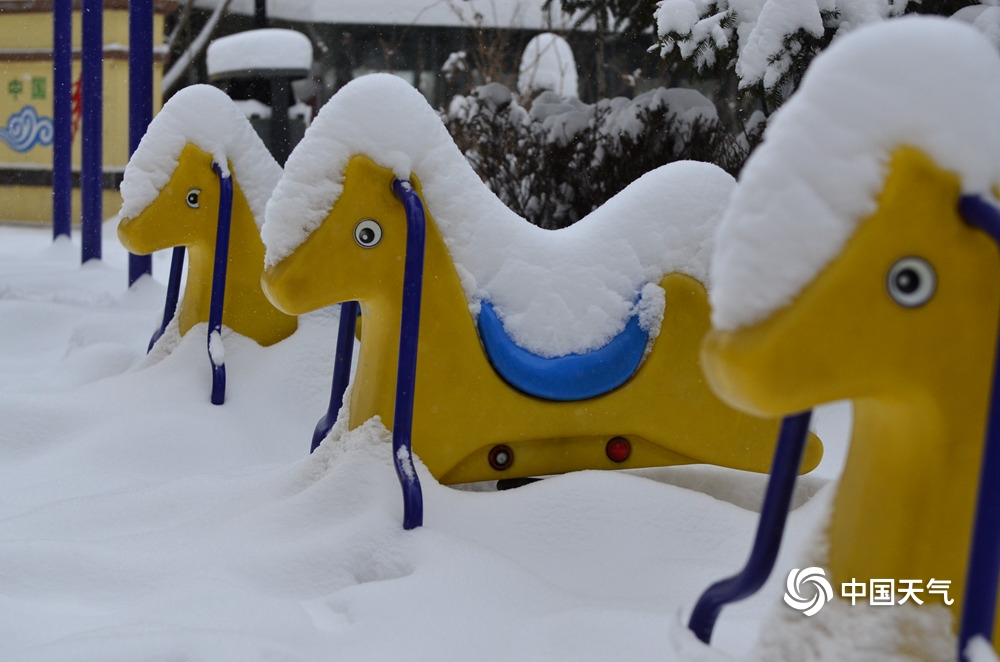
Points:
x=406, y=374
x=219, y=282
x=979, y=605
x=173, y=294
x=770, y=528
x=341, y=371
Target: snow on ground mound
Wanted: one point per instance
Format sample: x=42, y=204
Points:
x=557, y=292
x=206, y=117
x=140, y=522
x=925, y=82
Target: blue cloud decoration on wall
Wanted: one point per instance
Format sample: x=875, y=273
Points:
x=25, y=129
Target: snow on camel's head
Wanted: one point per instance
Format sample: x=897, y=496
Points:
x=921, y=82
x=207, y=118
x=380, y=116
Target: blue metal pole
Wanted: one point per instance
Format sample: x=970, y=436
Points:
x=406, y=372
x=983, y=571
x=62, y=118
x=140, y=98
x=173, y=293
x=341, y=371
x=91, y=175
x=219, y=287
x=770, y=528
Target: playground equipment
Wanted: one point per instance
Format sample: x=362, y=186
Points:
x=175, y=194
x=469, y=424
x=901, y=318
x=114, y=86
x=258, y=66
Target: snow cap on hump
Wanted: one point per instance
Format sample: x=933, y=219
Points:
x=924, y=82
x=556, y=291
x=208, y=118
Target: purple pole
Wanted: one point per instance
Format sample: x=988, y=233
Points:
x=342, y=359
x=983, y=570
x=406, y=371
x=62, y=120
x=91, y=175
x=140, y=98
x=770, y=527
x=219, y=268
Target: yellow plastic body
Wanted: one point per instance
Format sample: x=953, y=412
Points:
x=919, y=379
x=169, y=221
x=462, y=407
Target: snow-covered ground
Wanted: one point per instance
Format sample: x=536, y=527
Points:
x=139, y=522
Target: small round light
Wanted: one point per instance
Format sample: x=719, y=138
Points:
x=618, y=449
x=192, y=198
x=368, y=233
x=501, y=457
x=911, y=281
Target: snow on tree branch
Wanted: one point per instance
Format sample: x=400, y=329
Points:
x=768, y=43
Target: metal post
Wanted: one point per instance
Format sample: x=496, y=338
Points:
x=770, y=528
x=281, y=99
x=341, y=371
x=281, y=92
x=406, y=370
x=140, y=98
x=216, y=355
x=173, y=293
x=62, y=120
x=983, y=570
x=91, y=175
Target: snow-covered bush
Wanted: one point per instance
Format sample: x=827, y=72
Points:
x=559, y=159
x=768, y=44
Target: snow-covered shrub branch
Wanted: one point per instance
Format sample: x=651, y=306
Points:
x=767, y=43
x=559, y=159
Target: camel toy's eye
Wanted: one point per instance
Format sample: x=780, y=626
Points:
x=192, y=198
x=911, y=282
x=368, y=233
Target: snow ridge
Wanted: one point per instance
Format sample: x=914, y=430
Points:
x=207, y=117
x=557, y=292
x=925, y=82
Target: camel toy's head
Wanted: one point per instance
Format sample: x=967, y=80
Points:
x=845, y=269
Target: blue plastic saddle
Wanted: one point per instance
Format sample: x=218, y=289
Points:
x=563, y=378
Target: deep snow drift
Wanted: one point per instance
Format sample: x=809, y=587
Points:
x=137, y=521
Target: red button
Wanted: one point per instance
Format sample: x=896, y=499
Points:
x=618, y=449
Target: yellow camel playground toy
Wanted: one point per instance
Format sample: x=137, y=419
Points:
x=196, y=128
x=468, y=422
x=917, y=376
x=902, y=319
